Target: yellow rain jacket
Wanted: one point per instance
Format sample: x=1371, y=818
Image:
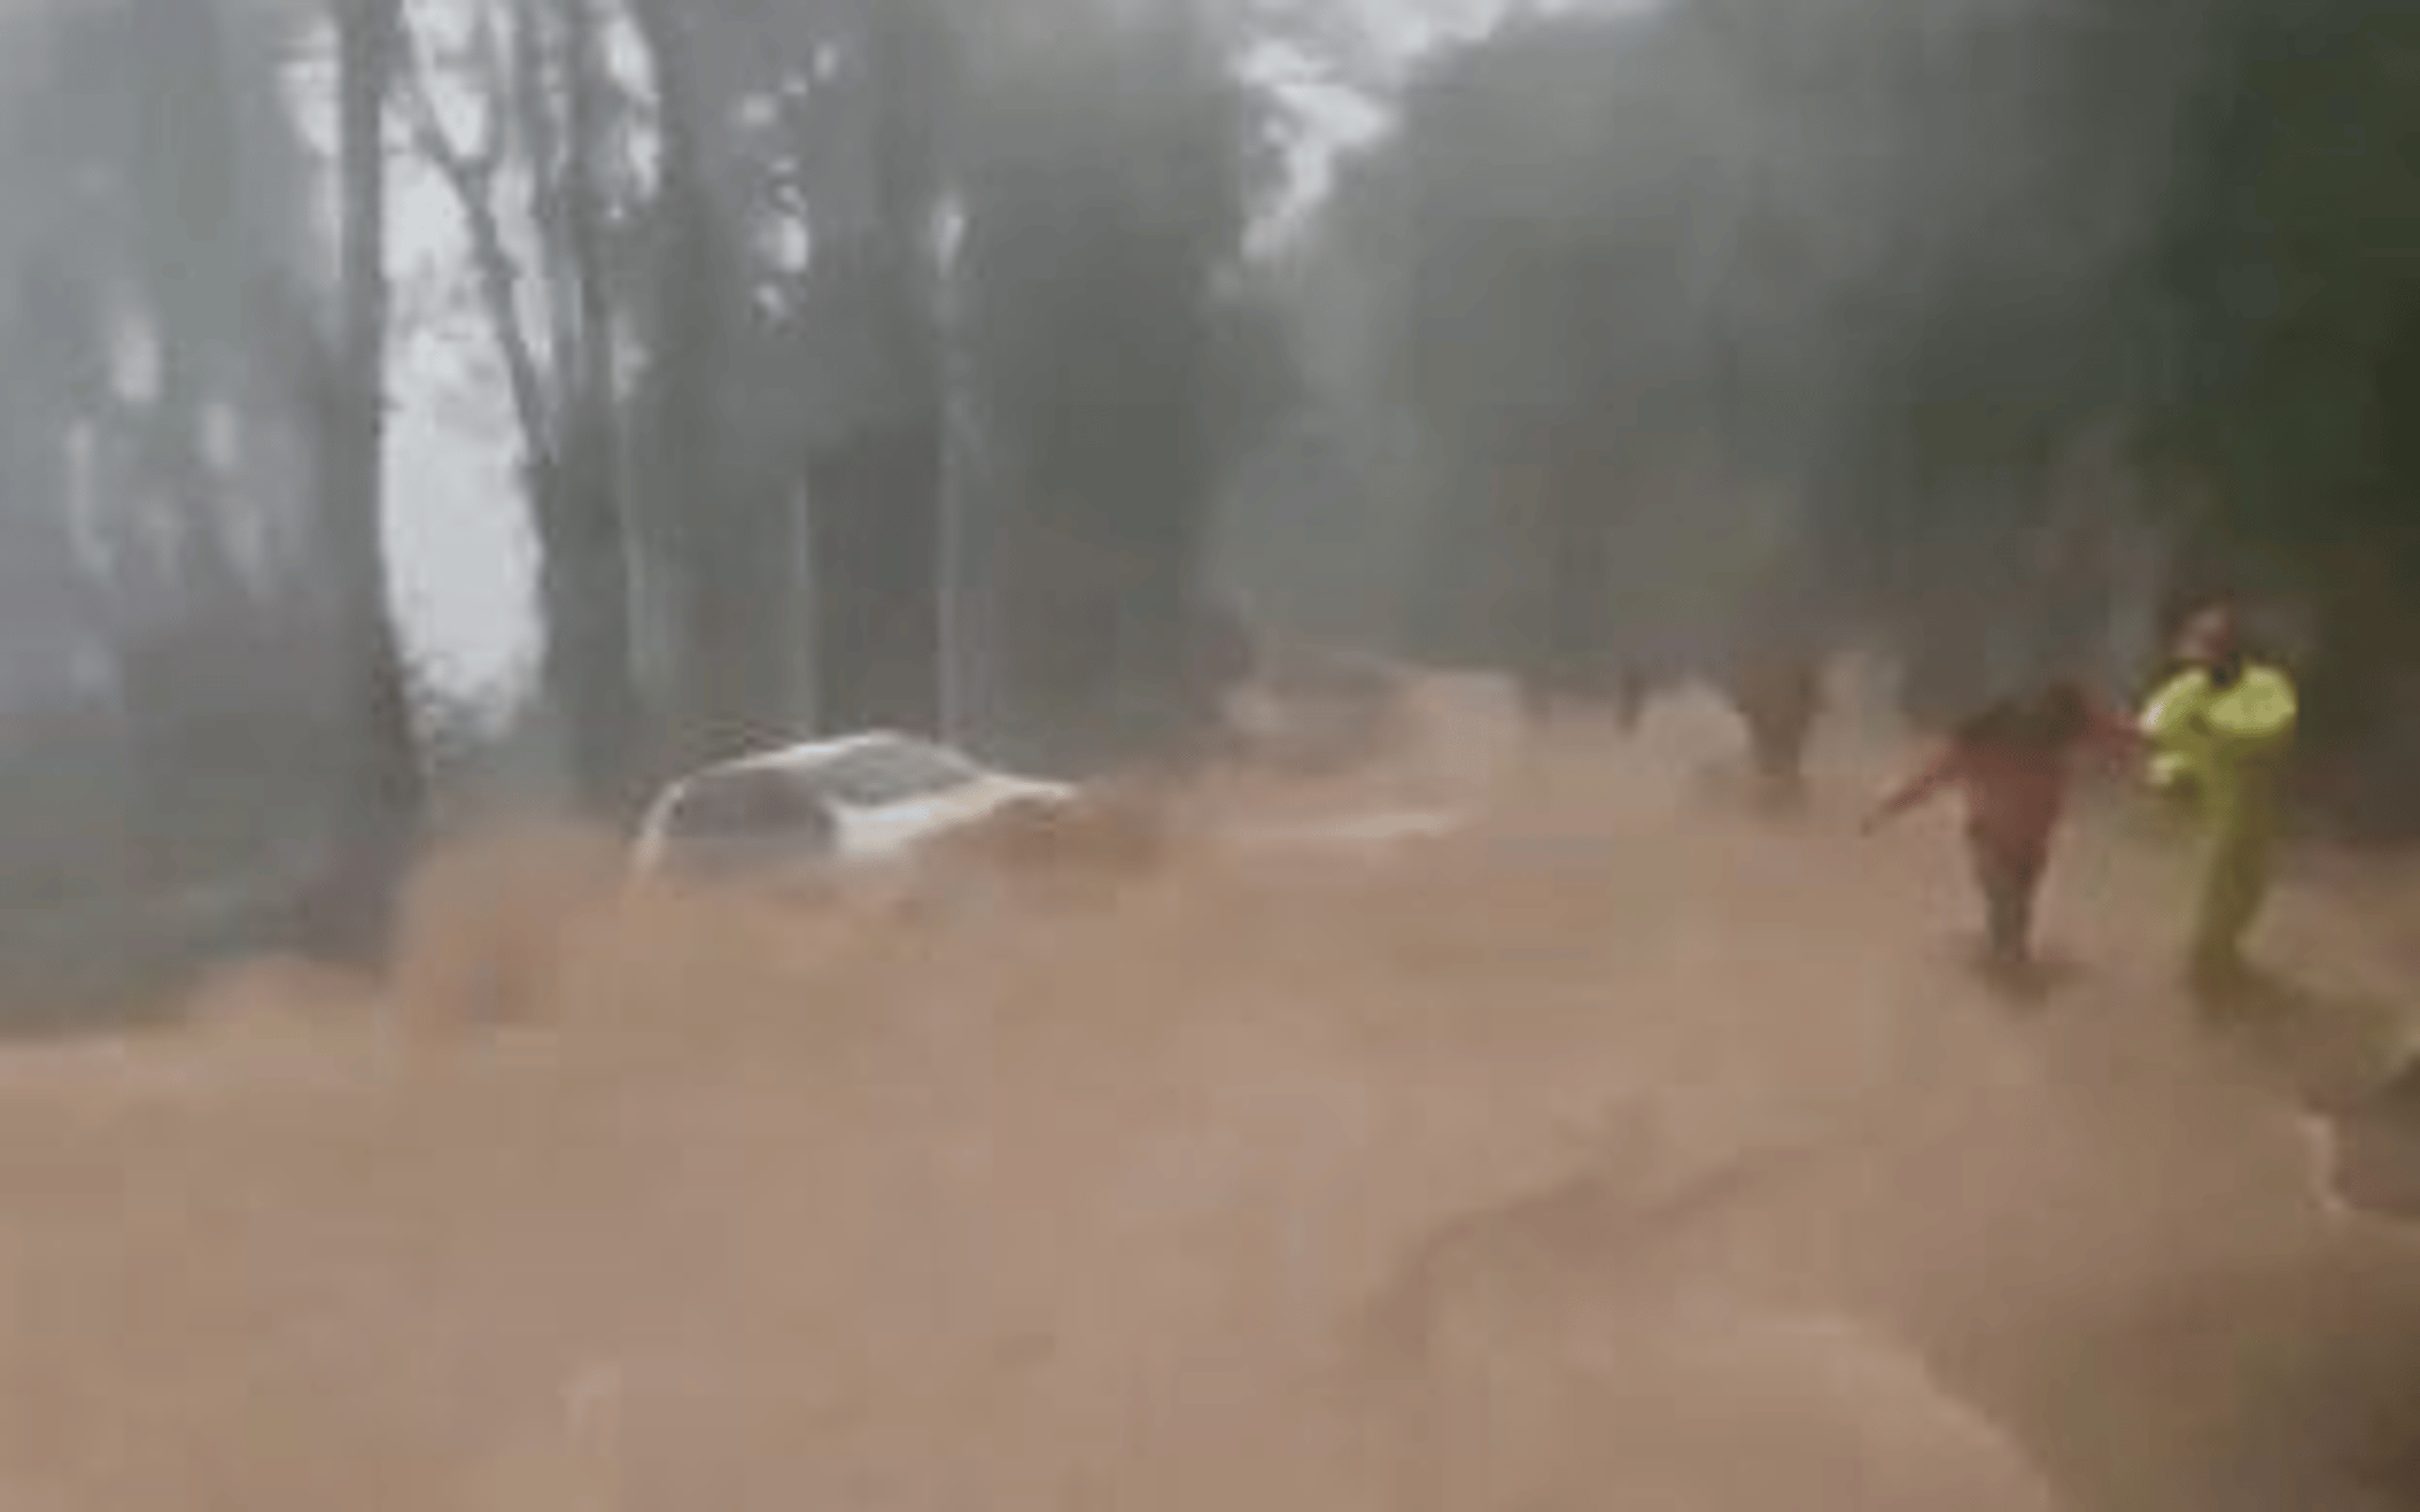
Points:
x=2228, y=746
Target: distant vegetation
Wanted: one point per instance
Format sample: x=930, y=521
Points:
x=903, y=362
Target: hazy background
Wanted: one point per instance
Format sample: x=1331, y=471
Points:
x=501, y=404
x=461, y=563
x=427, y=428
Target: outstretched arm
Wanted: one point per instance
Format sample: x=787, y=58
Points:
x=2117, y=738
x=1930, y=779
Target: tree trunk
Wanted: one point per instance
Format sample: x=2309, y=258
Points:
x=385, y=805
x=585, y=583
x=685, y=511
x=583, y=594
x=873, y=509
x=874, y=501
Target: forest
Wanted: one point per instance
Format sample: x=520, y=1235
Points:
x=987, y=367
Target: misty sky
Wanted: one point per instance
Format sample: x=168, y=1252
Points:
x=460, y=548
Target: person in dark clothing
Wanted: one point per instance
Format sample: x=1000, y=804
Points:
x=2012, y=761
x=1778, y=696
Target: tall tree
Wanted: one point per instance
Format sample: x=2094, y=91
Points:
x=1851, y=279
x=177, y=408
x=587, y=588
x=875, y=480
x=389, y=794
x=718, y=500
x=536, y=73
x=1105, y=187
x=2293, y=289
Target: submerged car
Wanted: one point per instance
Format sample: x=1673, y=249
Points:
x=808, y=809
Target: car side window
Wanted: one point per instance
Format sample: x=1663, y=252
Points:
x=892, y=771
x=749, y=807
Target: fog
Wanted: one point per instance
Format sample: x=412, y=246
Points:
x=1848, y=319
x=1308, y=430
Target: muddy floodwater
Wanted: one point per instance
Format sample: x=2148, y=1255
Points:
x=1615, y=1149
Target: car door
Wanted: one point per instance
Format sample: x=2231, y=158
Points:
x=749, y=823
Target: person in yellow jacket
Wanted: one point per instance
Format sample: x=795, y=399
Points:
x=2219, y=731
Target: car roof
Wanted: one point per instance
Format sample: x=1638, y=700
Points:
x=807, y=755
x=814, y=753
x=800, y=756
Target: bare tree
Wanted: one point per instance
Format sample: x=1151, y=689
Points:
x=534, y=70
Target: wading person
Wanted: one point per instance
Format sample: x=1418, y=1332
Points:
x=1779, y=697
x=2221, y=729
x=2012, y=761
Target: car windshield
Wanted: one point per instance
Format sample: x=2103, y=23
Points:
x=881, y=772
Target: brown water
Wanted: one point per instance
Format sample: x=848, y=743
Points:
x=1623, y=1153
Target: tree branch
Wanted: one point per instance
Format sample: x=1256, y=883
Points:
x=470, y=174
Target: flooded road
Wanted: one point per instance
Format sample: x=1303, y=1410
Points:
x=1613, y=1149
